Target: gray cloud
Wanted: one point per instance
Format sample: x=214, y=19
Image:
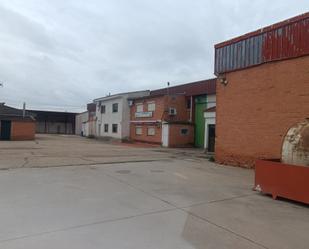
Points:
x=62, y=54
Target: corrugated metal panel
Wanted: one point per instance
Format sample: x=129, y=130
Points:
x=284, y=40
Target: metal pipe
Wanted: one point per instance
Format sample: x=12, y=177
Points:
x=191, y=100
x=24, y=110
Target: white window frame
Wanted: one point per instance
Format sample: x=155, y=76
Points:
x=154, y=131
x=152, y=103
x=141, y=129
x=138, y=105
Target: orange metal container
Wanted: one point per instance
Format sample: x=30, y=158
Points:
x=284, y=180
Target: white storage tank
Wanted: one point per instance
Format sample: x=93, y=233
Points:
x=295, y=148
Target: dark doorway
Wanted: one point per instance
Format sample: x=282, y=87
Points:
x=211, y=137
x=5, y=130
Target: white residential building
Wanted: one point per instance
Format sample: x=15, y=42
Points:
x=113, y=114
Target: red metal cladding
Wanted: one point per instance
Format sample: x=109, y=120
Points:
x=284, y=40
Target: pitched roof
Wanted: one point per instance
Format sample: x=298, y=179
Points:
x=10, y=113
x=108, y=97
x=189, y=89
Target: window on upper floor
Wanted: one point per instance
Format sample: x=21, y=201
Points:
x=115, y=128
x=139, y=108
x=115, y=107
x=151, y=106
x=103, y=108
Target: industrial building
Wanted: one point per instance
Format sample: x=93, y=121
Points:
x=53, y=122
x=173, y=116
x=262, y=91
x=16, y=124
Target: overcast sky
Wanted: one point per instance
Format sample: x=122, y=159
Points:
x=61, y=54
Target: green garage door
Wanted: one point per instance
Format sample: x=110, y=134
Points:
x=200, y=106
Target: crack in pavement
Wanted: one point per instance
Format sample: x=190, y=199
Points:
x=190, y=213
x=93, y=163
x=220, y=200
x=85, y=225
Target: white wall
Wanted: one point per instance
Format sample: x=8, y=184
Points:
x=211, y=101
x=109, y=117
x=210, y=118
x=122, y=117
x=125, y=124
x=79, y=120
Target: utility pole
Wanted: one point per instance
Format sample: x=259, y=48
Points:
x=24, y=109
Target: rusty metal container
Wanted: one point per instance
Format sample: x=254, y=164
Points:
x=295, y=148
x=282, y=180
x=284, y=40
x=288, y=178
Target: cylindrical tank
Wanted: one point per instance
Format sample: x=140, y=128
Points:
x=295, y=148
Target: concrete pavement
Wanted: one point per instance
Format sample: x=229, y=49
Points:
x=64, y=150
x=157, y=202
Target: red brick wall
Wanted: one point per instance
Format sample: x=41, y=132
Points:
x=256, y=109
x=22, y=130
x=176, y=139
x=178, y=102
x=162, y=105
x=157, y=115
x=157, y=138
x=160, y=113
